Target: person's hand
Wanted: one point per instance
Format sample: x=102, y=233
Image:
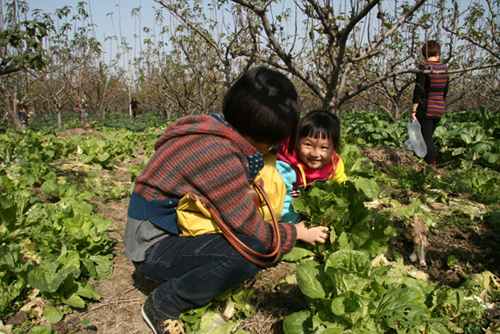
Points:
x=413, y=116
x=311, y=235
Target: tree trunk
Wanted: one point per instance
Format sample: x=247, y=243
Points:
x=59, y=119
x=332, y=107
x=129, y=105
x=397, y=113
x=12, y=110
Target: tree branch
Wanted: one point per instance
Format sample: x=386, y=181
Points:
x=362, y=88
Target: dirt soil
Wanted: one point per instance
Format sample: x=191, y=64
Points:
x=119, y=310
x=86, y=131
x=386, y=155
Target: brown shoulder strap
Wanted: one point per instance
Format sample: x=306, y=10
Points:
x=248, y=253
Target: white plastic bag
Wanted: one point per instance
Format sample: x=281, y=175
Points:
x=416, y=142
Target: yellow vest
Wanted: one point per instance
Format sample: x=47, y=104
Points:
x=193, y=218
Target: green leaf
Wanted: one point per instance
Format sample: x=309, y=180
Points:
x=53, y=314
x=481, y=147
x=85, y=289
x=48, y=277
x=466, y=138
x=11, y=258
x=297, y=253
x=368, y=186
x=41, y=330
x=194, y=315
x=51, y=187
x=440, y=328
x=309, y=278
x=225, y=295
x=73, y=300
x=298, y=323
x=85, y=322
x=398, y=307
x=104, y=265
x=87, y=158
x=350, y=260
x=8, y=216
x=338, y=330
x=351, y=307
x=208, y=319
x=104, y=157
x=344, y=281
x=243, y=302
x=447, y=301
x=451, y=260
x=343, y=241
x=70, y=259
x=491, y=158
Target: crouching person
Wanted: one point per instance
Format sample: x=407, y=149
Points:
x=214, y=157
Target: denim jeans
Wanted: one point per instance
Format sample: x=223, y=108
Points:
x=193, y=270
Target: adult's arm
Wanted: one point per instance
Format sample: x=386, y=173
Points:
x=419, y=90
x=214, y=169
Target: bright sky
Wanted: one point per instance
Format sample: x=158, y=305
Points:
x=113, y=18
x=110, y=17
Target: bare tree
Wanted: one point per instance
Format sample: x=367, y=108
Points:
x=74, y=68
x=341, y=52
x=335, y=44
x=202, y=63
x=21, y=51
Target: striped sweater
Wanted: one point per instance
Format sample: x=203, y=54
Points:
x=430, y=90
x=201, y=155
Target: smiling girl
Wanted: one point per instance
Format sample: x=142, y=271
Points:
x=313, y=158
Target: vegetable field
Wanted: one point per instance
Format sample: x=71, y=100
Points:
x=412, y=249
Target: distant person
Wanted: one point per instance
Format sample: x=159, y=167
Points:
x=23, y=115
x=314, y=158
x=134, y=105
x=428, y=96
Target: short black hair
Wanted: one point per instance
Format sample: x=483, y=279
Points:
x=263, y=105
x=322, y=123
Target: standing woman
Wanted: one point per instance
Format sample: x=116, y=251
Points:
x=428, y=96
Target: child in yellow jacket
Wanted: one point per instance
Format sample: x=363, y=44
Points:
x=314, y=158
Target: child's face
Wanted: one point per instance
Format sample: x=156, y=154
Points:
x=315, y=152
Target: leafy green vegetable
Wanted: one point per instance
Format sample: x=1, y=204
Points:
x=325, y=204
x=350, y=293
x=341, y=207
x=51, y=239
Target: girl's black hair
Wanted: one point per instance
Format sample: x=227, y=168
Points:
x=322, y=123
x=264, y=105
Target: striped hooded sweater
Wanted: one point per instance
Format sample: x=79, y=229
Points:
x=430, y=90
x=204, y=156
